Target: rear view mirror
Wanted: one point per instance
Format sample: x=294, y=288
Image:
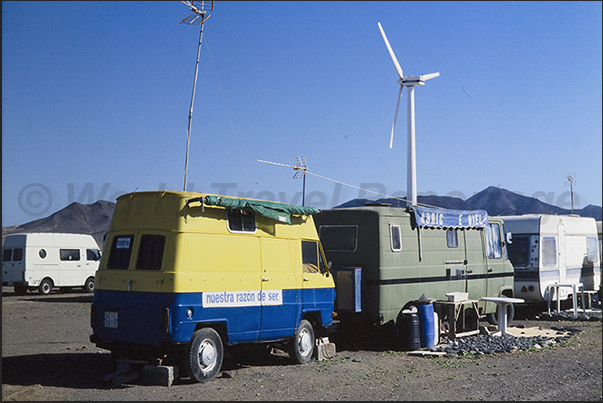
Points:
x=509, y=237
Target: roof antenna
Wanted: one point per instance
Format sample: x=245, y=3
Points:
x=199, y=12
x=300, y=171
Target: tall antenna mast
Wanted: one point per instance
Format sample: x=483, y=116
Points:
x=571, y=177
x=300, y=171
x=199, y=17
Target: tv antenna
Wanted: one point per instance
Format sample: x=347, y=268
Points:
x=410, y=82
x=571, y=177
x=199, y=16
x=300, y=168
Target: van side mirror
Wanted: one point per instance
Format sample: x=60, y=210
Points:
x=509, y=237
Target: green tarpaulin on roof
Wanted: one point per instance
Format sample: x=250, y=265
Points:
x=277, y=211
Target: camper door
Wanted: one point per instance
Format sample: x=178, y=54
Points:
x=280, y=289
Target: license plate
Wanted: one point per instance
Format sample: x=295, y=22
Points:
x=110, y=319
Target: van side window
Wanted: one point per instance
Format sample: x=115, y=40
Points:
x=494, y=244
x=42, y=253
x=452, y=238
x=549, y=252
x=92, y=254
x=121, y=249
x=150, y=253
x=6, y=255
x=395, y=238
x=240, y=220
x=17, y=254
x=340, y=238
x=310, y=257
x=69, y=254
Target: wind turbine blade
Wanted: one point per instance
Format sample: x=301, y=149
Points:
x=391, y=52
x=391, y=139
x=425, y=77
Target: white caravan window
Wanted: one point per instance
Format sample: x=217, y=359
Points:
x=549, y=252
x=591, y=249
x=395, y=237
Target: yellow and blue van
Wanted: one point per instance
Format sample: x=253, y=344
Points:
x=185, y=274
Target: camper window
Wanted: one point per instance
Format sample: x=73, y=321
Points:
x=591, y=249
x=494, y=244
x=338, y=238
x=92, y=254
x=395, y=239
x=69, y=254
x=150, y=253
x=42, y=253
x=310, y=256
x=121, y=249
x=240, y=220
x=452, y=238
x=6, y=255
x=549, y=252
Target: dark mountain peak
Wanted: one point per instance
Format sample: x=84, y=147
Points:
x=76, y=218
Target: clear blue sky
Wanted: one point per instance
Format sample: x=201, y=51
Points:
x=96, y=95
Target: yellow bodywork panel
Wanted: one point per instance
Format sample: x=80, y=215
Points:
x=201, y=253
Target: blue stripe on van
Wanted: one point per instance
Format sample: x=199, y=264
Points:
x=139, y=316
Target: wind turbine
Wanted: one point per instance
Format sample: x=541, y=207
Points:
x=410, y=82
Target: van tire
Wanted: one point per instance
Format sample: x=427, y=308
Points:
x=302, y=345
x=205, y=355
x=493, y=316
x=45, y=286
x=89, y=285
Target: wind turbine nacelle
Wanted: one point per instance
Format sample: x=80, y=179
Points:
x=411, y=81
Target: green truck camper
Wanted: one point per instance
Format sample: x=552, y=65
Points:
x=384, y=259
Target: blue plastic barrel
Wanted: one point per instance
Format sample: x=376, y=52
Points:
x=426, y=324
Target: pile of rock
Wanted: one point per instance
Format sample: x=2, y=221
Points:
x=487, y=344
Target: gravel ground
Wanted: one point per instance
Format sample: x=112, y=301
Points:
x=46, y=355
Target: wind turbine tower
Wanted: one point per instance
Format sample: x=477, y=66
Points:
x=410, y=82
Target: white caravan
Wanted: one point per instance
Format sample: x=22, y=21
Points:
x=45, y=260
x=547, y=249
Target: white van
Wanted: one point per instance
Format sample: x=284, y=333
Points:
x=548, y=249
x=45, y=260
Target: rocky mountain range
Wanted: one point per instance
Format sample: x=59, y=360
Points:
x=94, y=219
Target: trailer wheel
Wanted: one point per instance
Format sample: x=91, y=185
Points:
x=493, y=316
x=301, y=346
x=45, y=286
x=20, y=290
x=205, y=355
x=89, y=285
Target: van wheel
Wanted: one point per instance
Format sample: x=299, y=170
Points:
x=20, y=290
x=301, y=346
x=493, y=316
x=89, y=285
x=45, y=286
x=205, y=355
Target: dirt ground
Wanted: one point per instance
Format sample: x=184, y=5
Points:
x=46, y=355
